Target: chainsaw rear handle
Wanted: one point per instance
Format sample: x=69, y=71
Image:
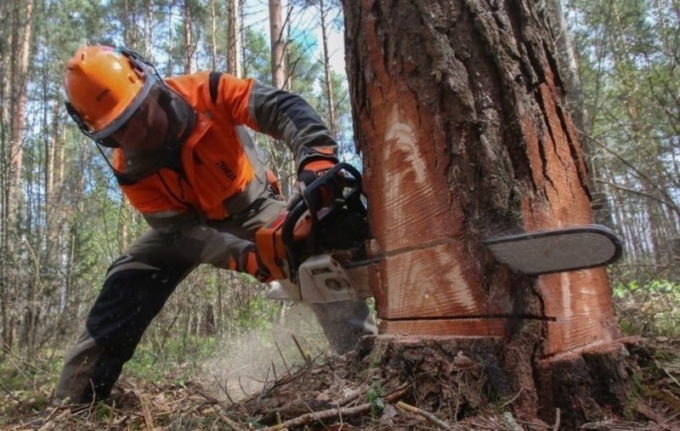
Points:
x=313, y=201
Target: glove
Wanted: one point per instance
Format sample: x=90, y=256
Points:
x=250, y=263
x=309, y=172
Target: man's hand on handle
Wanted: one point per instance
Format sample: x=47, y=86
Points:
x=309, y=172
x=250, y=263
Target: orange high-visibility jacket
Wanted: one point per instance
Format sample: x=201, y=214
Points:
x=221, y=174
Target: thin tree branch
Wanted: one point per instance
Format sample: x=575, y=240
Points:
x=670, y=204
x=667, y=199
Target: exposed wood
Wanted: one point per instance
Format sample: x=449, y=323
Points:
x=471, y=327
x=582, y=309
x=476, y=143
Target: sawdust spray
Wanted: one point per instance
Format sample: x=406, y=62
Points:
x=246, y=362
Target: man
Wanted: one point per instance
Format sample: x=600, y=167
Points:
x=183, y=159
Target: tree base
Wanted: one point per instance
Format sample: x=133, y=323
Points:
x=466, y=374
x=592, y=384
x=401, y=382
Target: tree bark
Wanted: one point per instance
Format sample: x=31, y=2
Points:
x=332, y=123
x=234, y=63
x=213, y=35
x=189, y=44
x=13, y=118
x=277, y=43
x=459, y=114
x=148, y=28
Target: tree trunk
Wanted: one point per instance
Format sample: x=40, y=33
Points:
x=277, y=44
x=170, y=40
x=13, y=125
x=459, y=114
x=213, y=35
x=234, y=64
x=148, y=28
x=323, y=13
x=189, y=44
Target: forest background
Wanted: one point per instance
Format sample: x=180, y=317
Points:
x=63, y=220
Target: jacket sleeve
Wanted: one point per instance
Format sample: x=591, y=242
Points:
x=280, y=114
x=184, y=229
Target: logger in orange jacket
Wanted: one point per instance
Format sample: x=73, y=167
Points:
x=183, y=158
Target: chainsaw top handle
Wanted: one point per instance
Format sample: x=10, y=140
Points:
x=340, y=187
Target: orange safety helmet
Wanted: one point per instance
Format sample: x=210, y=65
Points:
x=105, y=86
x=109, y=87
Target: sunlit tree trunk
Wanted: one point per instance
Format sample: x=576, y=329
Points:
x=213, y=35
x=131, y=23
x=234, y=45
x=148, y=28
x=189, y=44
x=328, y=84
x=170, y=42
x=277, y=43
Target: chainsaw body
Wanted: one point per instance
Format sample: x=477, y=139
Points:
x=307, y=248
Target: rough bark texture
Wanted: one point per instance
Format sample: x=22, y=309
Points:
x=459, y=116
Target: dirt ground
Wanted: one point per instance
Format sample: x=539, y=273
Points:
x=351, y=392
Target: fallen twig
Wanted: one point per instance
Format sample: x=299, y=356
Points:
x=305, y=356
x=668, y=373
x=49, y=417
x=8, y=392
x=353, y=395
x=512, y=400
x=650, y=413
x=427, y=415
x=112, y=415
x=308, y=418
x=241, y=386
x=146, y=412
x=274, y=370
x=228, y=422
x=283, y=359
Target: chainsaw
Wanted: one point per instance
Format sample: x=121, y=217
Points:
x=317, y=251
x=310, y=248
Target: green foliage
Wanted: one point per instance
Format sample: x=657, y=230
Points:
x=257, y=59
x=651, y=308
x=26, y=383
x=258, y=314
x=628, y=57
x=374, y=396
x=181, y=355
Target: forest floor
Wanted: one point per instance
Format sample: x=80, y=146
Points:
x=331, y=392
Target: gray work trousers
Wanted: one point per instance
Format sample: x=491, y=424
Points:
x=136, y=288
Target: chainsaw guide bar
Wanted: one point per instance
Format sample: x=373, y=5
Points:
x=546, y=252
